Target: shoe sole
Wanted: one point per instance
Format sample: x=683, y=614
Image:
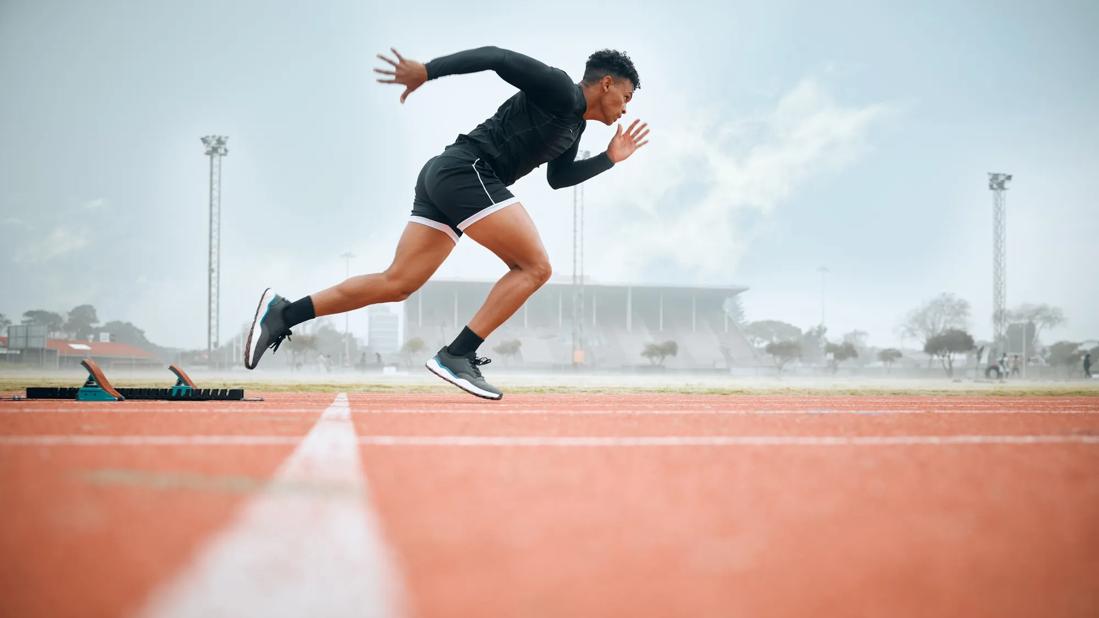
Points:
x=434, y=366
x=253, y=332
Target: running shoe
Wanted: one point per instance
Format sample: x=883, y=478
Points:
x=463, y=372
x=268, y=328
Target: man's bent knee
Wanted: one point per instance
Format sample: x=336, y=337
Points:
x=539, y=272
x=400, y=288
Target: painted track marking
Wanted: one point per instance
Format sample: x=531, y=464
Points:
x=293, y=554
x=760, y=440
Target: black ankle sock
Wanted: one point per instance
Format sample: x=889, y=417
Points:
x=298, y=312
x=467, y=341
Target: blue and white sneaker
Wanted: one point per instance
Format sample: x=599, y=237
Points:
x=463, y=372
x=268, y=328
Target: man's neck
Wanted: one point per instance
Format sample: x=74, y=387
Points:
x=591, y=97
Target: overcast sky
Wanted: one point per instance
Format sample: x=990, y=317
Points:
x=785, y=137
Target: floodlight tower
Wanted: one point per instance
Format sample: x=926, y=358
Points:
x=578, y=269
x=347, y=256
x=997, y=182
x=215, y=149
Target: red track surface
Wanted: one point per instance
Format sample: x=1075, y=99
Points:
x=903, y=528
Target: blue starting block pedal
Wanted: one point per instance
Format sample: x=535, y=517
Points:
x=98, y=388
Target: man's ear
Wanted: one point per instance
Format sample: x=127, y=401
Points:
x=607, y=82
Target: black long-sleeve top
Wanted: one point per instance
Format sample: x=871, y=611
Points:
x=541, y=123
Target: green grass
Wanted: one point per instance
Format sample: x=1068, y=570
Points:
x=824, y=389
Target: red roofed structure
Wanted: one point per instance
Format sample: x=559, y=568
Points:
x=69, y=353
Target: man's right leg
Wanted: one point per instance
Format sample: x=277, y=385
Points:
x=420, y=252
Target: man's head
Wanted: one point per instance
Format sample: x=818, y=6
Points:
x=609, y=81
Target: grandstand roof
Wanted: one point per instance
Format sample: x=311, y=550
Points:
x=566, y=280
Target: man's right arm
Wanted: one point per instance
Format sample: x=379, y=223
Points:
x=547, y=86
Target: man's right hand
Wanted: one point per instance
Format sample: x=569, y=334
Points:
x=408, y=73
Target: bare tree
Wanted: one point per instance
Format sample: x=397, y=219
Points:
x=1042, y=316
x=935, y=317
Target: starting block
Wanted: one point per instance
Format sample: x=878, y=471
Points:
x=98, y=388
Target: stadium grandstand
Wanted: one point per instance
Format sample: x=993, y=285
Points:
x=618, y=321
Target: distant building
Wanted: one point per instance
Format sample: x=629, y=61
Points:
x=62, y=353
x=616, y=322
x=383, y=331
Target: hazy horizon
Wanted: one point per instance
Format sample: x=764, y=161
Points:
x=785, y=137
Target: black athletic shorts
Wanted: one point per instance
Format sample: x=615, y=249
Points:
x=457, y=189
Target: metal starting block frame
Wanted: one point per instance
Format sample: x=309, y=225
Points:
x=98, y=388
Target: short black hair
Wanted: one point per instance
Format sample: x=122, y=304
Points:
x=610, y=62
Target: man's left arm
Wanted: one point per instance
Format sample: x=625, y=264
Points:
x=566, y=171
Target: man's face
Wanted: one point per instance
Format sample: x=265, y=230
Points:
x=617, y=94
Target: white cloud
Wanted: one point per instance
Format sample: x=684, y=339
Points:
x=694, y=206
x=62, y=240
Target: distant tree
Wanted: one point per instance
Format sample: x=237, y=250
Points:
x=812, y=343
x=40, y=317
x=783, y=352
x=670, y=348
x=412, y=348
x=300, y=346
x=857, y=338
x=4, y=321
x=81, y=322
x=508, y=349
x=840, y=352
x=936, y=316
x=762, y=332
x=1065, y=354
x=331, y=342
x=657, y=352
x=1042, y=316
x=888, y=356
x=734, y=309
x=125, y=332
x=946, y=344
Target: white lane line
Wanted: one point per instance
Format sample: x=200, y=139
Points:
x=61, y=440
x=122, y=408
x=296, y=553
x=379, y=440
x=590, y=412
x=708, y=412
x=600, y=441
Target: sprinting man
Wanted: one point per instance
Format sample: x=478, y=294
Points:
x=464, y=190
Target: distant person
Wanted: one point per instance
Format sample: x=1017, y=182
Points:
x=1015, y=365
x=1087, y=365
x=465, y=190
x=378, y=358
x=1002, y=364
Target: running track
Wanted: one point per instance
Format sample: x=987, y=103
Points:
x=551, y=505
